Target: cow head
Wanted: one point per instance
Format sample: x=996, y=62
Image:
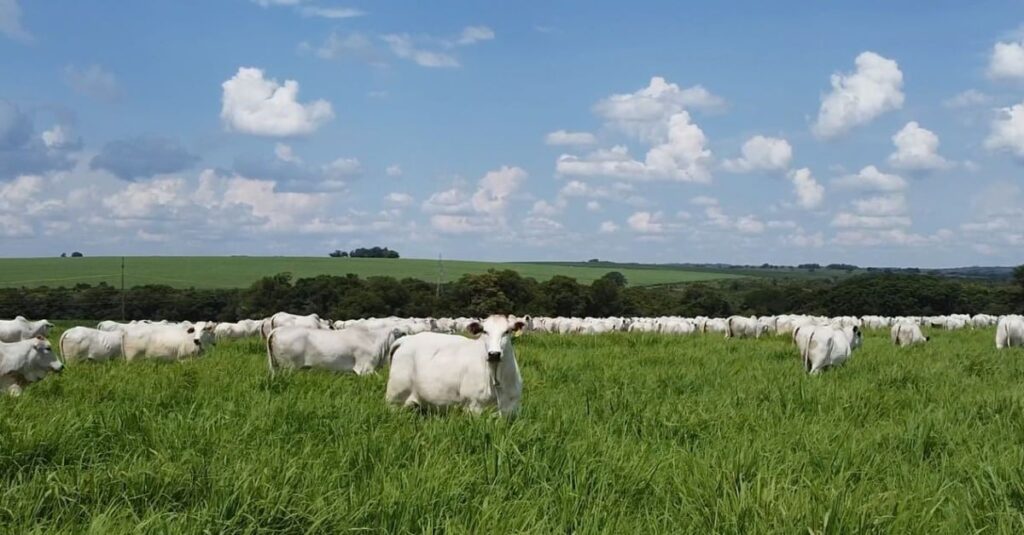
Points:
x=41, y=361
x=856, y=337
x=206, y=333
x=496, y=332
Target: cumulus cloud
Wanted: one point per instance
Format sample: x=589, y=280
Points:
x=291, y=173
x=644, y=112
x=354, y=46
x=10, y=22
x=870, y=178
x=761, y=153
x=809, y=193
x=330, y=12
x=393, y=170
x=93, y=81
x=403, y=47
x=400, y=199
x=608, y=227
x=562, y=138
x=682, y=157
x=875, y=87
x=456, y=211
x=881, y=205
x=60, y=136
x=494, y=189
x=1007, y=131
x=22, y=151
x=474, y=34
x=645, y=222
x=967, y=99
x=916, y=149
x=143, y=157
x=1007, y=60
x=252, y=104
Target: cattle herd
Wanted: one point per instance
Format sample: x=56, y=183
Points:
x=431, y=364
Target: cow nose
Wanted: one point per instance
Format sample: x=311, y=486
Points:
x=196, y=342
x=493, y=356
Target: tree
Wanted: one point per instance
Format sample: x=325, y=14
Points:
x=63, y=255
x=563, y=296
x=605, y=297
x=616, y=278
x=337, y=253
x=77, y=254
x=1018, y=276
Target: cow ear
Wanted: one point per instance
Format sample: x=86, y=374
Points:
x=191, y=330
x=518, y=326
x=40, y=338
x=475, y=328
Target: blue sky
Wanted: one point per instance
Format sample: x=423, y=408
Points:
x=877, y=133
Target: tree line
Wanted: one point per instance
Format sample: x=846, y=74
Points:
x=364, y=252
x=506, y=291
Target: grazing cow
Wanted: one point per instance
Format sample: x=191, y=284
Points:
x=89, y=344
x=285, y=319
x=20, y=329
x=444, y=370
x=24, y=362
x=907, y=334
x=741, y=327
x=1010, y=332
x=355, y=349
x=162, y=342
x=825, y=346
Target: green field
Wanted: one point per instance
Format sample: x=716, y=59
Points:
x=618, y=433
x=241, y=271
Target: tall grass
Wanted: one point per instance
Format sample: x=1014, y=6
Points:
x=618, y=433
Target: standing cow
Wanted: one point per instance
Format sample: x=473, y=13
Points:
x=24, y=362
x=826, y=346
x=444, y=370
x=355, y=349
x=83, y=343
x=20, y=329
x=162, y=342
x=907, y=334
x=1010, y=332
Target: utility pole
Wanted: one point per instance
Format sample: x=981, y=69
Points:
x=122, y=290
x=440, y=276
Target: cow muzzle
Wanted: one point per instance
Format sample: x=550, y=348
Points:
x=494, y=356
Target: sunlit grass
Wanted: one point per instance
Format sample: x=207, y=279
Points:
x=618, y=433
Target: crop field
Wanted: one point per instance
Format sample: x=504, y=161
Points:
x=241, y=271
x=619, y=433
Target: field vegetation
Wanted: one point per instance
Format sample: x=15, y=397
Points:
x=619, y=433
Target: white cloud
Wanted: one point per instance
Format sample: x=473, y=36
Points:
x=545, y=208
x=474, y=34
x=93, y=81
x=402, y=46
x=593, y=206
x=400, y=199
x=1007, y=60
x=608, y=227
x=456, y=211
x=682, y=157
x=393, y=170
x=881, y=205
x=761, y=153
x=10, y=22
x=285, y=153
x=60, y=136
x=330, y=12
x=1008, y=131
x=449, y=201
x=255, y=105
x=870, y=178
x=801, y=238
x=916, y=149
x=645, y=222
x=875, y=87
x=809, y=193
x=562, y=138
x=967, y=99
x=848, y=220
x=459, y=224
x=354, y=46
x=644, y=113
x=704, y=200
x=494, y=189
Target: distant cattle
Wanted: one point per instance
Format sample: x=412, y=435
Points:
x=355, y=349
x=444, y=370
x=824, y=347
x=286, y=319
x=83, y=343
x=162, y=342
x=24, y=362
x=743, y=327
x=20, y=329
x=907, y=334
x=1010, y=332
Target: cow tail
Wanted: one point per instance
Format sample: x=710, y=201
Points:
x=271, y=363
x=899, y=329
x=807, y=353
x=394, y=347
x=728, y=328
x=1006, y=332
x=60, y=346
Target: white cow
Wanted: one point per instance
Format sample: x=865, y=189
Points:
x=907, y=334
x=826, y=346
x=741, y=327
x=444, y=370
x=286, y=319
x=24, y=362
x=355, y=349
x=1010, y=332
x=20, y=329
x=162, y=342
x=89, y=344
